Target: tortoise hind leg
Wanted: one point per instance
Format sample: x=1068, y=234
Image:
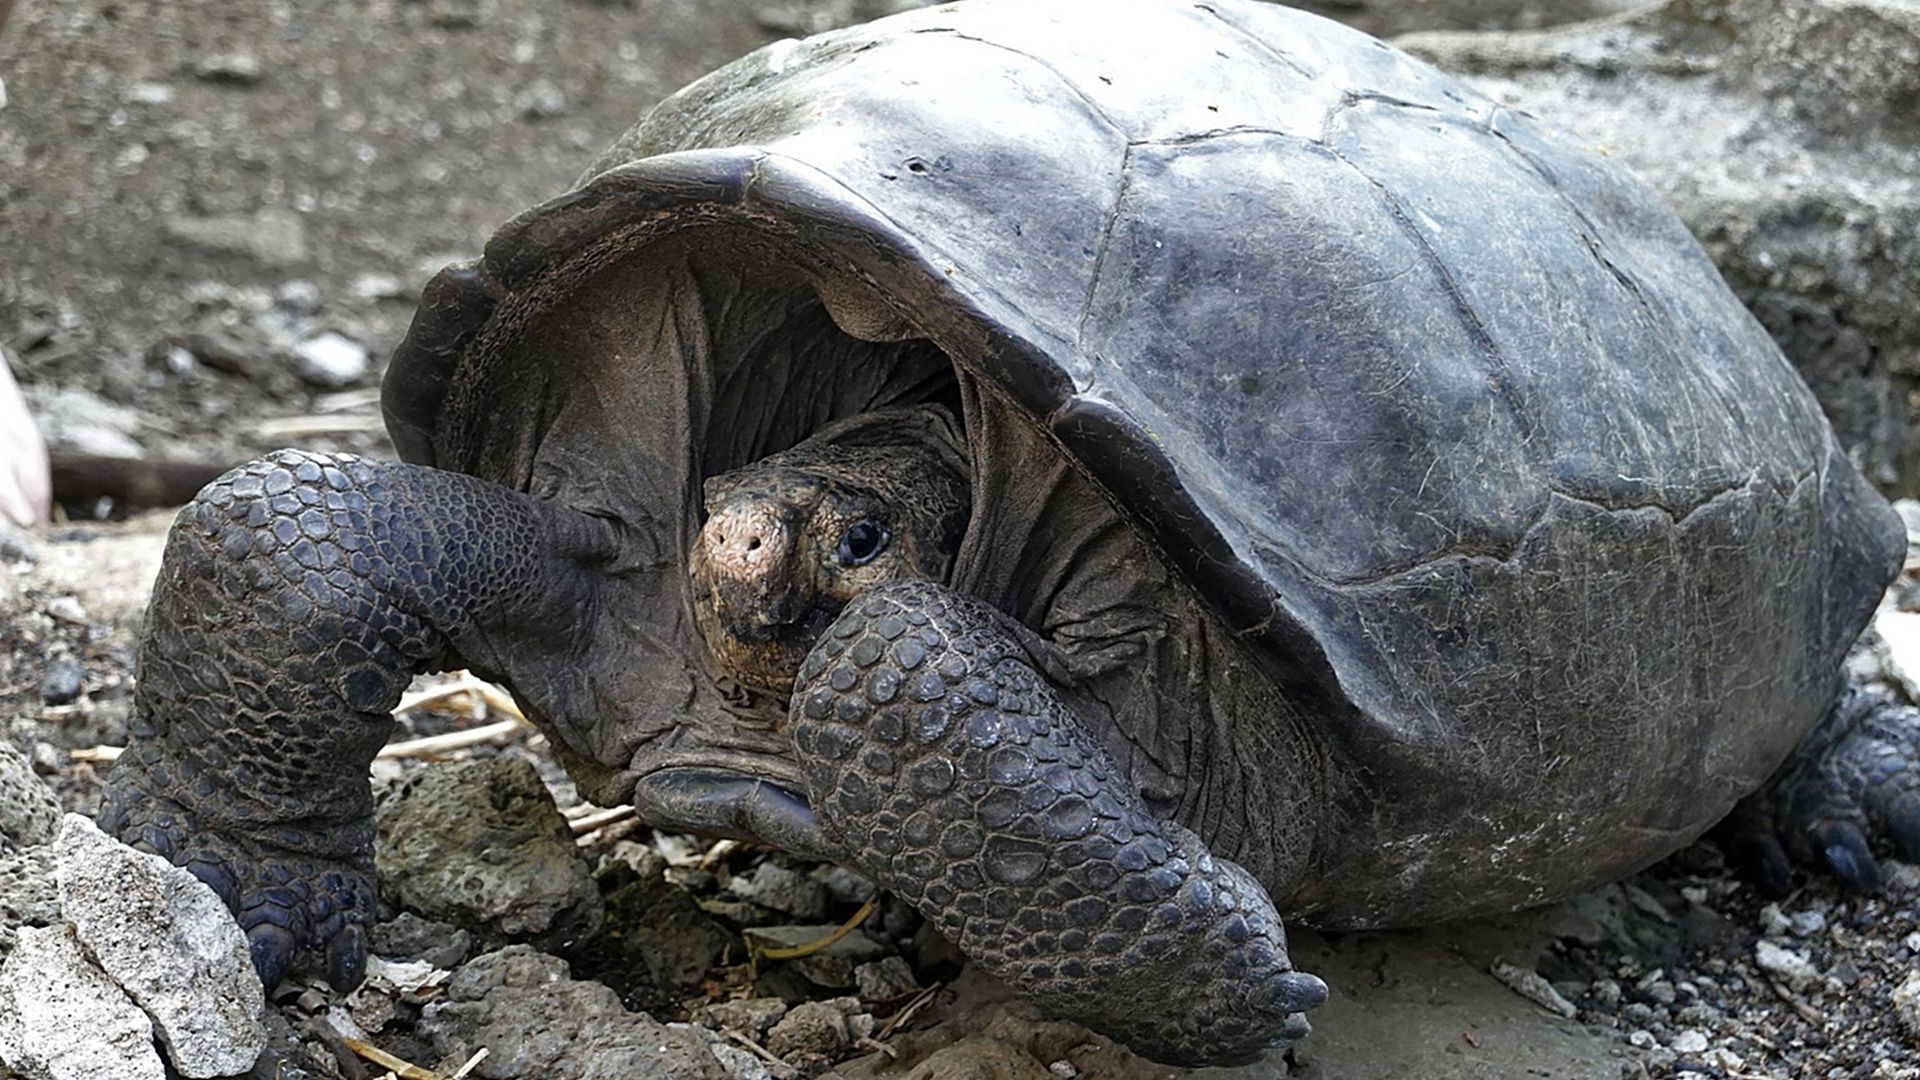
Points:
x=1856, y=777
x=298, y=596
x=957, y=778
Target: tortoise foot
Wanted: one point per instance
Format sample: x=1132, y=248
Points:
x=297, y=597
x=299, y=886
x=960, y=780
x=1853, y=784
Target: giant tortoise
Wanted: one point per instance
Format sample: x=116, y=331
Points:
x=1112, y=472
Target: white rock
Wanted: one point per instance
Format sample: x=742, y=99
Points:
x=167, y=940
x=331, y=360
x=1788, y=965
x=1690, y=1041
x=62, y=1019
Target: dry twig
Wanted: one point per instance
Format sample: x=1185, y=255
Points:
x=404, y=1069
x=912, y=1009
x=793, y=952
x=787, y=1068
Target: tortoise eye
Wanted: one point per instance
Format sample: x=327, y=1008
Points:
x=859, y=544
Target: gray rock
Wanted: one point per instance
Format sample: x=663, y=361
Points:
x=749, y=1016
x=832, y=966
x=62, y=1019
x=80, y=422
x=236, y=68
x=1906, y=1005
x=407, y=936
x=1782, y=131
x=1790, y=966
x=27, y=893
x=778, y=888
x=884, y=979
x=815, y=1034
x=535, y=1020
x=659, y=927
x=63, y=682
x=331, y=361
x=844, y=885
x=29, y=810
x=164, y=936
x=271, y=237
x=480, y=844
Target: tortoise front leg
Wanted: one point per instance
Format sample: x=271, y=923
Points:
x=957, y=778
x=298, y=596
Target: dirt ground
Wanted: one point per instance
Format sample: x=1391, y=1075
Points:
x=214, y=220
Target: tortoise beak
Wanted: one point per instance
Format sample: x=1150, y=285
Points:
x=723, y=802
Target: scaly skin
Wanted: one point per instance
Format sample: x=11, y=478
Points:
x=946, y=763
x=1857, y=775
x=299, y=595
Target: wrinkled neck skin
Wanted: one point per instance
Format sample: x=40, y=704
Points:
x=790, y=540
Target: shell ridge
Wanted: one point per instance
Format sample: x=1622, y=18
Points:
x=1099, y=111
x=1258, y=42
x=1121, y=187
x=1499, y=371
x=1505, y=553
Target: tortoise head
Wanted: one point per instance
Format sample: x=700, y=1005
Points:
x=789, y=540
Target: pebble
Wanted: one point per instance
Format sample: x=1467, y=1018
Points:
x=749, y=1016
x=540, y=100
x=812, y=1035
x=331, y=360
x=1529, y=985
x=298, y=295
x=778, y=888
x=149, y=93
x=63, y=682
x=1690, y=1041
x=884, y=979
x=832, y=966
x=1906, y=1004
x=378, y=286
x=68, y=610
x=1807, y=923
x=1789, y=965
x=236, y=68
x=1642, y=1038
x=1063, y=1069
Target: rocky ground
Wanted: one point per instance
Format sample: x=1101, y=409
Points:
x=215, y=219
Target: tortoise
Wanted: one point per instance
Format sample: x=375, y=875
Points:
x=1115, y=473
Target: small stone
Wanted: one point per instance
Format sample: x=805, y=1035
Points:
x=523, y=1006
x=832, y=966
x=1605, y=992
x=884, y=979
x=1906, y=1004
x=1689, y=1041
x=1773, y=922
x=1788, y=965
x=844, y=885
x=748, y=1016
x=1807, y=923
x=480, y=844
x=149, y=93
x=378, y=286
x=298, y=295
x=271, y=237
x=63, y=682
x=331, y=360
x=1643, y=1039
x=740, y=1063
x=540, y=100
x=61, y=1018
x=1529, y=985
x=778, y=888
x=169, y=941
x=407, y=937
x=67, y=609
x=234, y=68
x=1063, y=1069
x=812, y=1036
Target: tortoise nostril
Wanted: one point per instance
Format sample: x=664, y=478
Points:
x=753, y=544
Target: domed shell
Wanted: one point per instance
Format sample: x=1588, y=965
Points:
x=1434, y=404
